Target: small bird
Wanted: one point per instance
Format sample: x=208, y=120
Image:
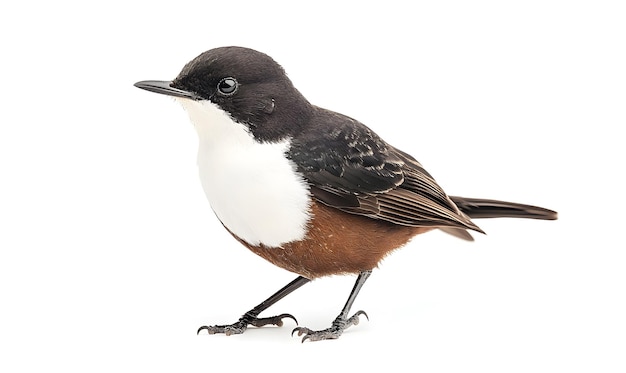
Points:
x=310, y=190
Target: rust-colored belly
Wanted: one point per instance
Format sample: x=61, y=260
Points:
x=338, y=243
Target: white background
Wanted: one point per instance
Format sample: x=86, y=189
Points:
x=111, y=257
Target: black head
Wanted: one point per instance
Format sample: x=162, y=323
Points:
x=250, y=86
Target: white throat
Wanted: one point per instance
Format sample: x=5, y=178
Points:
x=252, y=187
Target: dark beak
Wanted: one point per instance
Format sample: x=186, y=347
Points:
x=165, y=88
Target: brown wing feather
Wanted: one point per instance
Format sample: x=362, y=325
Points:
x=417, y=201
x=350, y=168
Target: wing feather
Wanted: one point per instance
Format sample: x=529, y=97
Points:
x=352, y=169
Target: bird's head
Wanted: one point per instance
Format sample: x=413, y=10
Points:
x=247, y=85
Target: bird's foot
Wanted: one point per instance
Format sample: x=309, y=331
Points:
x=339, y=325
x=242, y=324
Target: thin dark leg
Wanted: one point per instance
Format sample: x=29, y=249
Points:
x=250, y=317
x=342, y=322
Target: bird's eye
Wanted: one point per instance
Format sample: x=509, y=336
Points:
x=227, y=86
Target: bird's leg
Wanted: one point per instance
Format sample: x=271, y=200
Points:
x=250, y=317
x=342, y=322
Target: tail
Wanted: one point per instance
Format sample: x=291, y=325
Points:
x=477, y=208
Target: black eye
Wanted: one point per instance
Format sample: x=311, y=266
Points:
x=227, y=86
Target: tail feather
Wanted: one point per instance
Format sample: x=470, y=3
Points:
x=478, y=208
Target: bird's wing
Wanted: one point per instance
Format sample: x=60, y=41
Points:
x=350, y=168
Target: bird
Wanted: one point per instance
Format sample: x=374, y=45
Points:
x=313, y=191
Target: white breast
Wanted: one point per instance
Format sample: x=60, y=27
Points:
x=253, y=189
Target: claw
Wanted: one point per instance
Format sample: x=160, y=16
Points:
x=275, y=320
x=286, y=315
x=236, y=328
x=354, y=320
x=300, y=331
x=338, y=326
x=240, y=326
x=306, y=331
x=359, y=313
x=209, y=329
